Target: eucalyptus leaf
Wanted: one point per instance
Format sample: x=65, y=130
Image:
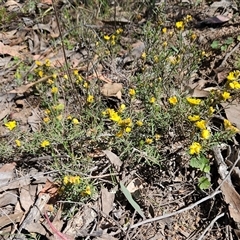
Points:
x=128, y=195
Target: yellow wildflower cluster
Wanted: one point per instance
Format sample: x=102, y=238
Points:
x=174, y=59
x=71, y=180
x=228, y=126
x=42, y=67
x=233, y=79
x=124, y=124
x=195, y=148
x=193, y=101
x=188, y=18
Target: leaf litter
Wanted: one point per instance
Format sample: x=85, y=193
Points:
x=25, y=197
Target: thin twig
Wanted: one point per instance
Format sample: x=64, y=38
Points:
x=228, y=55
x=210, y=225
x=64, y=52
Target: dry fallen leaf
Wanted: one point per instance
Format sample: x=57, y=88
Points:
x=35, y=120
x=26, y=199
x=114, y=159
x=112, y=90
x=134, y=185
x=6, y=173
x=232, y=112
x=232, y=198
x=135, y=53
x=11, y=50
x=107, y=200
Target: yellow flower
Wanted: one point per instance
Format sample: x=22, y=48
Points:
x=75, y=72
x=90, y=99
x=211, y=110
x=193, y=101
x=59, y=117
x=119, y=134
x=164, y=30
x=139, y=123
x=46, y=119
x=228, y=126
x=11, y=125
x=106, y=37
x=125, y=122
x=170, y=33
x=144, y=55
x=50, y=81
x=128, y=129
x=54, y=76
x=174, y=60
x=115, y=117
x=68, y=179
x=132, y=92
x=234, y=85
x=45, y=143
x=119, y=31
x=40, y=73
x=188, y=18
x=205, y=134
x=121, y=108
x=173, y=100
x=201, y=124
x=231, y=76
x=47, y=63
x=65, y=76
x=157, y=137
x=18, y=143
x=164, y=44
x=225, y=96
x=65, y=180
x=152, y=100
x=193, y=36
x=38, y=63
x=54, y=90
x=149, y=140
x=75, y=121
x=47, y=111
x=180, y=25
x=69, y=117
x=194, y=118
x=155, y=59
x=85, y=85
x=88, y=190
x=113, y=42
x=195, y=148
x=227, y=123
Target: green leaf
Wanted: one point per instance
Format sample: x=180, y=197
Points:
x=215, y=44
x=238, y=38
x=223, y=48
x=203, y=183
x=200, y=163
x=229, y=41
x=128, y=195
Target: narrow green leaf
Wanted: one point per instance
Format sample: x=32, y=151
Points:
x=128, y=195
x=203, y=183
